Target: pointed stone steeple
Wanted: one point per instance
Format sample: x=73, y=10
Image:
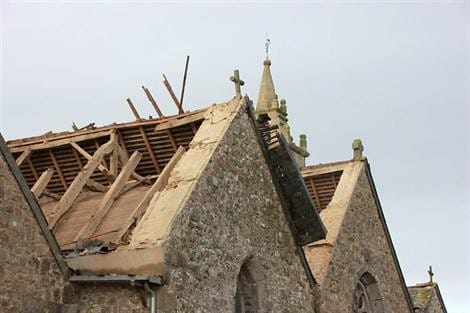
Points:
x=266, y=89
x=268, y=104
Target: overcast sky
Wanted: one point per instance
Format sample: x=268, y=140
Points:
x=394, y=74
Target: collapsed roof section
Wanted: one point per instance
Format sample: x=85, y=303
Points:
x=90, y=182
x=110, y=194
x=67, y=153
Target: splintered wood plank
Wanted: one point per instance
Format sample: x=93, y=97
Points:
x=149, y=149
x=159, y=184
x=81, y=179
x=23, y=156
x=42, y=182
x=110, y=197
x=57, y=167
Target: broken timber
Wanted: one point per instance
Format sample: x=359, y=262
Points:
x=23, y=156
x=152, y=101
x=87, y=156
x=110, y=197
x=81, y=179
x=42, y=182
x=172, y=94
x=159, y=184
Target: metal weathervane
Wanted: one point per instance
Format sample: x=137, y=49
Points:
x=266, y=45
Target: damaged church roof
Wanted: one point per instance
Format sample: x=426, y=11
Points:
x=111, y=193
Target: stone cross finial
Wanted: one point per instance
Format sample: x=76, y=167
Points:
x=238, y=82
x=431, y=274
x=303, y=141
x=358, y=148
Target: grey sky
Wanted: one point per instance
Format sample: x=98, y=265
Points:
x=394, y=74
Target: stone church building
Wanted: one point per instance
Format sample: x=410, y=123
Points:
x=212, y=210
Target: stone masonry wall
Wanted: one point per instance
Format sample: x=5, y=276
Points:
x=434, y=305
x=361, y=247
x=30, y=279
x=233, y=215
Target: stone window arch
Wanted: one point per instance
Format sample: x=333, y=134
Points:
x=247, y=292
x=367, y=296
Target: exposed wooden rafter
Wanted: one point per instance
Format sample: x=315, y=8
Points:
x=33, y=169
x=111, y=195
x=42, y=182
x=152, y=101
x=23, y=156
x=172, y=94
x=57, y=168
x=81, y=179
x=87, y=156
x=149, y=149
x=159, y=184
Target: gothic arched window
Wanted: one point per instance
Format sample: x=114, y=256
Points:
x=246, y=295
x=367, y=297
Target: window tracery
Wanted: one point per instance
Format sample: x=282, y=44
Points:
x=367, y=297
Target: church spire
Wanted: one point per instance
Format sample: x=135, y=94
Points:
x=266, y=90
x=268, y=106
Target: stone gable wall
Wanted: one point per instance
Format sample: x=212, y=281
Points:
x=233, y=215
x=30, y=279
x=434, y=305
x=361, y=247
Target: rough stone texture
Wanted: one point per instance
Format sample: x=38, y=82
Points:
x=434, y=305
x=426, y=298
x=30, y=277
x=233, y=215
x=361, y=247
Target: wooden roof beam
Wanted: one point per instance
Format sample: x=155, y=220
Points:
x=159, y=184
x=172, y=139
x=184, y=80
x=81, y=179
x=152, y=101
x=23, y=156
x=58, y=141
x=133, y=109
x=96, y=185
x=124, y=157
x=57, y=167
x=87, y=156
x=149, y=149
x=110, y=196
x=42, y=182
x=33, y=169
x=172, y=94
